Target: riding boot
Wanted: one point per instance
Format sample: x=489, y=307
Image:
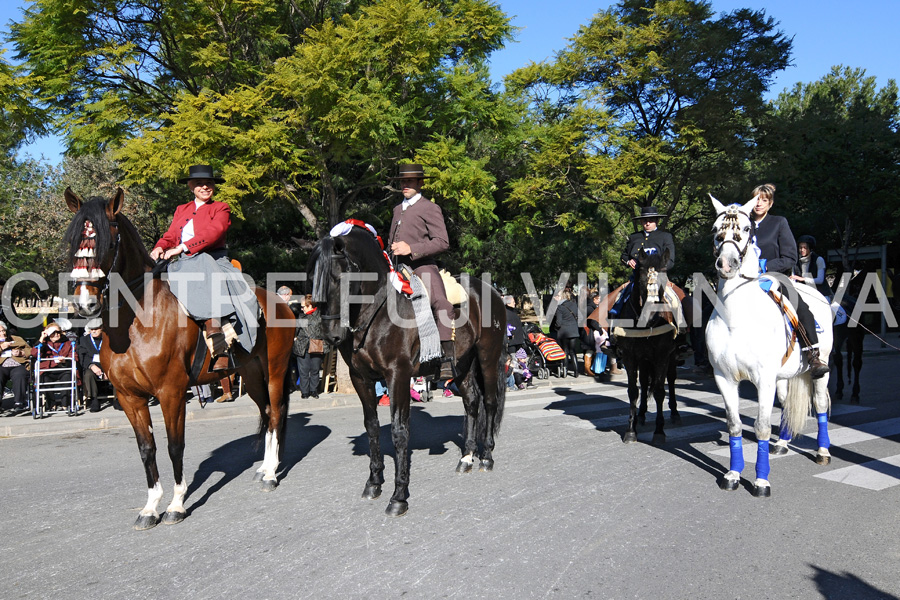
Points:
x=215, y=337
x=448, y=360
x=817, y=368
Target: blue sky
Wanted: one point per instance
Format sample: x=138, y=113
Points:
x=826, y=33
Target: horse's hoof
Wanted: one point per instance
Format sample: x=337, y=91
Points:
x=629, y=437
x=396, y=508
x=658, y=439
x=258, y=476
x=762, y=491
x=823, y=459
x=171, y=517
x=487, y=464
x=371, y=491
x=145, y=522
x=463, y=466
x=729, y=485
x=854, y=399
x=675, y=418
x=269, y=485
x=778, y=450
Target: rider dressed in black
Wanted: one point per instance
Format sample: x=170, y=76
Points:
x=779, y=251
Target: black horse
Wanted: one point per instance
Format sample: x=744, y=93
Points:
x=648, y=348
x=380, y=339
x=850, y=333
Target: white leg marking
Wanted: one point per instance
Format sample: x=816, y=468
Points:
x=154, y=495
x=270, y=461
x=733, y=476
x=469, y=459
x=177, y=504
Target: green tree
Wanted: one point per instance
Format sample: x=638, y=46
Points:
x=326, y=127
x=108, y=69
x=652, y=103
x=832, y=147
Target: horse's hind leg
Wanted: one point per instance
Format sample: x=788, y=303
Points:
x=471, y=405
x=822, y=406
x=139, y=415
x=272, y=419
x=644, y=378
x=630, y=434
x=857, y=342
x=671, y=376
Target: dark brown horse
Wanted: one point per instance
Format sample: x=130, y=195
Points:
x=375, y=343
x=149, y=345
x=648, y=348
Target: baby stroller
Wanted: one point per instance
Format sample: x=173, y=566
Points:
x=544, y=353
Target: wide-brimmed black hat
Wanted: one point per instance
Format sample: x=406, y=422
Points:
x=410, y=171
x=201, y=172
x=649, y=212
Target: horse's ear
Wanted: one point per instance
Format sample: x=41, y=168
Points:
x=717, y=205
x=115, y=204
x=748, y=208
x=73, y=200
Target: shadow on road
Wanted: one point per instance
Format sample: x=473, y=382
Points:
x=426, y=432
x=239, y=456
x=838, y=586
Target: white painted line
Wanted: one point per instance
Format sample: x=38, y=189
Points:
x=873, y=475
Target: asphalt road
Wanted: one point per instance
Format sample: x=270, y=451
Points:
x=569, y=511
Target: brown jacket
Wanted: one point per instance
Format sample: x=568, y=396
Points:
x=21, y=349
x=422, y=227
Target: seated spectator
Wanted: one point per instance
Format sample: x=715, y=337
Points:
x=14, y=353
x=53, y=351
x=521, y=375
x=88, y=350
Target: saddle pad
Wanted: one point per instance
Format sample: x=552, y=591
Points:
x=456, y=294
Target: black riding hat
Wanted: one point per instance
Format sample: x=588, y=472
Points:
x=200, y=172
x=649, y=212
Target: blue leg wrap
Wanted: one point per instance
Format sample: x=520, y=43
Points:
x=824, y=441
x=737, y=453
x=762, y=460
x=783, y=431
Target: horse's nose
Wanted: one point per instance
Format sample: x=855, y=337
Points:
x=723, y=265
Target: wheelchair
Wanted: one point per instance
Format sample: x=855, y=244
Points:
x=66, y=384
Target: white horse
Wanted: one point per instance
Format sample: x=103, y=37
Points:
x=748, y=340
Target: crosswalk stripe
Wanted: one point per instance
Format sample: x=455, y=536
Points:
x=873, y=475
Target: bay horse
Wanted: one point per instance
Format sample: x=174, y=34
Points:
x=374, y=342
x=647, y=349
x=748, y=340
x=148, y=348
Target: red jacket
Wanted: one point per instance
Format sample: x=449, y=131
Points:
x=211, y=222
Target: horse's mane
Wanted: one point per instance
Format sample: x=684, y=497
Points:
x=358, y=244
x=94, y=210
x=320, y=265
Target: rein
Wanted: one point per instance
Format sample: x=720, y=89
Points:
x=382, y=291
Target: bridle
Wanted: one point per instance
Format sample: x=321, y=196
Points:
x=731, y=222
x=353, y=267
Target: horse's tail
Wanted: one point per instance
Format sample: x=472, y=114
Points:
x=797, y=402
x=481, y=423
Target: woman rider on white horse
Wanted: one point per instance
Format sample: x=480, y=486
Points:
x=778, y=253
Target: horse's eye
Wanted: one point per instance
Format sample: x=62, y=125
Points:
x=720, y=237
x=746, y=229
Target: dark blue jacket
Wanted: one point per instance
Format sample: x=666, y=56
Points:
x=776, y=244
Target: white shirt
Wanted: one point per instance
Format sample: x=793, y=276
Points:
x=409, y=202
